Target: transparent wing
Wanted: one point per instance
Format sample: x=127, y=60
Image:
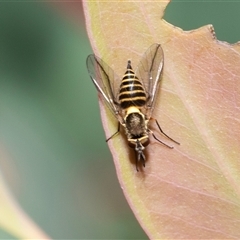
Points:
x=149, y=71
x=104, y=79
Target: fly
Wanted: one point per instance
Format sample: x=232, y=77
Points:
x=131, y=99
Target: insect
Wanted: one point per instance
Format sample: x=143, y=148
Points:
x=131, y=99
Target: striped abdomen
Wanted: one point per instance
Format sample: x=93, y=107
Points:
x=132, y=92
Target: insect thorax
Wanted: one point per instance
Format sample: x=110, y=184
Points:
x=136, y=127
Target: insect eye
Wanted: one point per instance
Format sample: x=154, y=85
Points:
x=131, y=144
x=146, y=142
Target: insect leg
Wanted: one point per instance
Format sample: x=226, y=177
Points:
x=161, y=141
x=114, y=133
x=164, y=132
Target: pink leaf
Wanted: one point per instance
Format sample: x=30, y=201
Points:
x=193, y=190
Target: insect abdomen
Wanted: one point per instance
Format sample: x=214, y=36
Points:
x=132, y=92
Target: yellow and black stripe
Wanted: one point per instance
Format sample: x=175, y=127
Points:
x=132, y=92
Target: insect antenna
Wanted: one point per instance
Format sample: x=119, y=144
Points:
x=140, y=155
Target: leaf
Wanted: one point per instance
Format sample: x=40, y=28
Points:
x=193, y=190
x=13, y=219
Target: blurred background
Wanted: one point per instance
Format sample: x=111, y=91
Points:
x=54, y=158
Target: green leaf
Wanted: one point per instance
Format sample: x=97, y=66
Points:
x=12, y=217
